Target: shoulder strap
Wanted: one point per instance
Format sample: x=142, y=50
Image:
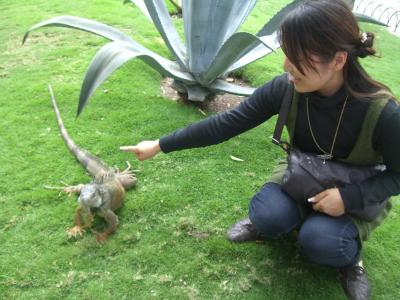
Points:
x=282, y=117
x=363, y=152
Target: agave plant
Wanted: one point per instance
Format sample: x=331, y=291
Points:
x=212, y=46
x=177, y=4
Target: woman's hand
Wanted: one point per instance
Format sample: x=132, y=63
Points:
x=329, y=202
x=144, y=150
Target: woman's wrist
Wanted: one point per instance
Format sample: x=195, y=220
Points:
x=157, y=147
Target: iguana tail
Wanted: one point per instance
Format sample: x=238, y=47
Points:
x=91, y=163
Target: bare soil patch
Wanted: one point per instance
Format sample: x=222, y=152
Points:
x=214, y=104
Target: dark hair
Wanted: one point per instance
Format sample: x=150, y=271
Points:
x=322, y=28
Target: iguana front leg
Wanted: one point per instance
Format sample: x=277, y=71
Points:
x=80, y=224
x=112, y=221
x=73, y=189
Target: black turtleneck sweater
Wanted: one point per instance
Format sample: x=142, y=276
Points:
x=324, y=115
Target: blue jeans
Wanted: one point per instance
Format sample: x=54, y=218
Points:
x=325, y=240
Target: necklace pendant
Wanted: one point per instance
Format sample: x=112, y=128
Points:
x=324, y=157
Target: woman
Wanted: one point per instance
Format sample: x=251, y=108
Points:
x=341, y=113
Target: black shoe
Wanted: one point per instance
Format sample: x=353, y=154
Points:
x=243, y=231
x=354, y=282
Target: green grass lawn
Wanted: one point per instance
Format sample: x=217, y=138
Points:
x=171, y=240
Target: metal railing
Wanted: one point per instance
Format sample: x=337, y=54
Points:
x=386, y=11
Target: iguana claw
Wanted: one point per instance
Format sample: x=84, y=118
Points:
x=75, y=231
x=101, y=238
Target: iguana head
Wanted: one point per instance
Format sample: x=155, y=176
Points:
x=90, y=196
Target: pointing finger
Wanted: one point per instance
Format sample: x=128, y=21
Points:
x=128, y=148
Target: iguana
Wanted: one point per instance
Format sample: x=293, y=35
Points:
x=103, y=195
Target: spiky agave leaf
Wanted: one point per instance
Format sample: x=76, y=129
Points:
x=273, y=24
x=195, y=92
x=223, y=86
x=113, y=55
x=268, y=32
x=198, y=93
x=232, y=49
x=82, y=24
x=257, y=53
x=158, y=14
x=368, y=19
x=207, y=25
x=245, y=48
x=162, y=20
x=162, y=65
x=177, y=5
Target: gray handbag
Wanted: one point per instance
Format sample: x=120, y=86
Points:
x=307, y=174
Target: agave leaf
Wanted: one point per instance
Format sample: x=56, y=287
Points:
x=258, y=52
x=196, y=92
x=233, y=48
x=208, y=24
x=112, y=56
x=162, y=20
x=140, y=4
x=364, y=18
x=177, y=5
x=273, y=24
x=82, y=24
x=223, y=86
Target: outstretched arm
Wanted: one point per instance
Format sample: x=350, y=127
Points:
x=259, y=107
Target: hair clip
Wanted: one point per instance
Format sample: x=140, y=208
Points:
x=363, y=37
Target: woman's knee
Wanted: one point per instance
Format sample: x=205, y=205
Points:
x=272, y=212
x=329, y=241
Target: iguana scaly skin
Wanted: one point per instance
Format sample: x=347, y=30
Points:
x=103, y=195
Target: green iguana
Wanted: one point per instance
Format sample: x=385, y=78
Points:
x=103, y=195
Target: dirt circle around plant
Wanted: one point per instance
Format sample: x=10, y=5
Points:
x=214, y=104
